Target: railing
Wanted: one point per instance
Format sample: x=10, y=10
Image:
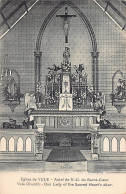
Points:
x=17, y=141
x=112, y=144
x=29, y=142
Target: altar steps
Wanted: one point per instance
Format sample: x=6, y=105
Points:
x=17, y=157
x=65, y=154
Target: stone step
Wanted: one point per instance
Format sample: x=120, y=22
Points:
x=17, y=157
x=66, y=166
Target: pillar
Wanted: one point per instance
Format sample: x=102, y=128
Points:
x=118, y=145
x=39, y=141
x=110, y=145
x=94, y=141
x=95, y=70
x=7, y=145
x=37, y=55
x=24, y=145
x=15, y=144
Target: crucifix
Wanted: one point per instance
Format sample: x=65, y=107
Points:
x=66, y=24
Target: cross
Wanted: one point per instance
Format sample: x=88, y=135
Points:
x=66, y=25
x=66, y=102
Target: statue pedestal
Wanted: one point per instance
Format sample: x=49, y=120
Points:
x=94, y=156
x=40, y=127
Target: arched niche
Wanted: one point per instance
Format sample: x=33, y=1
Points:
x=3, y=144
x=78, y=121
x=114, y=145
x=106, y=144
x=116, y=76
x=28, y=145
x=122, y=145
x=118, y=95
x=20, y=144
x=94, y=53
x=11, y=91
x=11, y=144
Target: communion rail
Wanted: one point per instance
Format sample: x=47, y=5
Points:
x=17, y=144
x=112, y=144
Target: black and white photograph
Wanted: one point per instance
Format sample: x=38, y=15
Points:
x=63, y=96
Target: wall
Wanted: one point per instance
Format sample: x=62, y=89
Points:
x=20, y=44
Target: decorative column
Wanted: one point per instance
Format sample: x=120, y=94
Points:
x=7, y=145
x=95, y=70
x=37, y=55
x=39, y=141
x=110, y=145
x=94, y=141
x=118, y=145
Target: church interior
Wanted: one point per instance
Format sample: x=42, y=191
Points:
x=63, y=85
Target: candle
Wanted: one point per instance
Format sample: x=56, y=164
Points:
x=52, y=89
x=2, y=72
x=10, y=72
x=6, y=72
x=85, y=91
x=46, y=90
x=59, y=88
x=104, y=99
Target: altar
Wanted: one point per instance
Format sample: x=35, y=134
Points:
x=69, y=102
x=68, y=112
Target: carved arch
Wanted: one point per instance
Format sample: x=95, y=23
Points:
x=11, y=144
x=113, y=77
x=80, y=13
x=122, y=144
x=106, y=144
x=28, y=144
x=94, y=52
x=3, y=144
x=20, y=144
x=114, y=144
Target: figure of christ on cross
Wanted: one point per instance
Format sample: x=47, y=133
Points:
x=66, y=24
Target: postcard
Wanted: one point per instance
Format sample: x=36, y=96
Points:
x=62, y=96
